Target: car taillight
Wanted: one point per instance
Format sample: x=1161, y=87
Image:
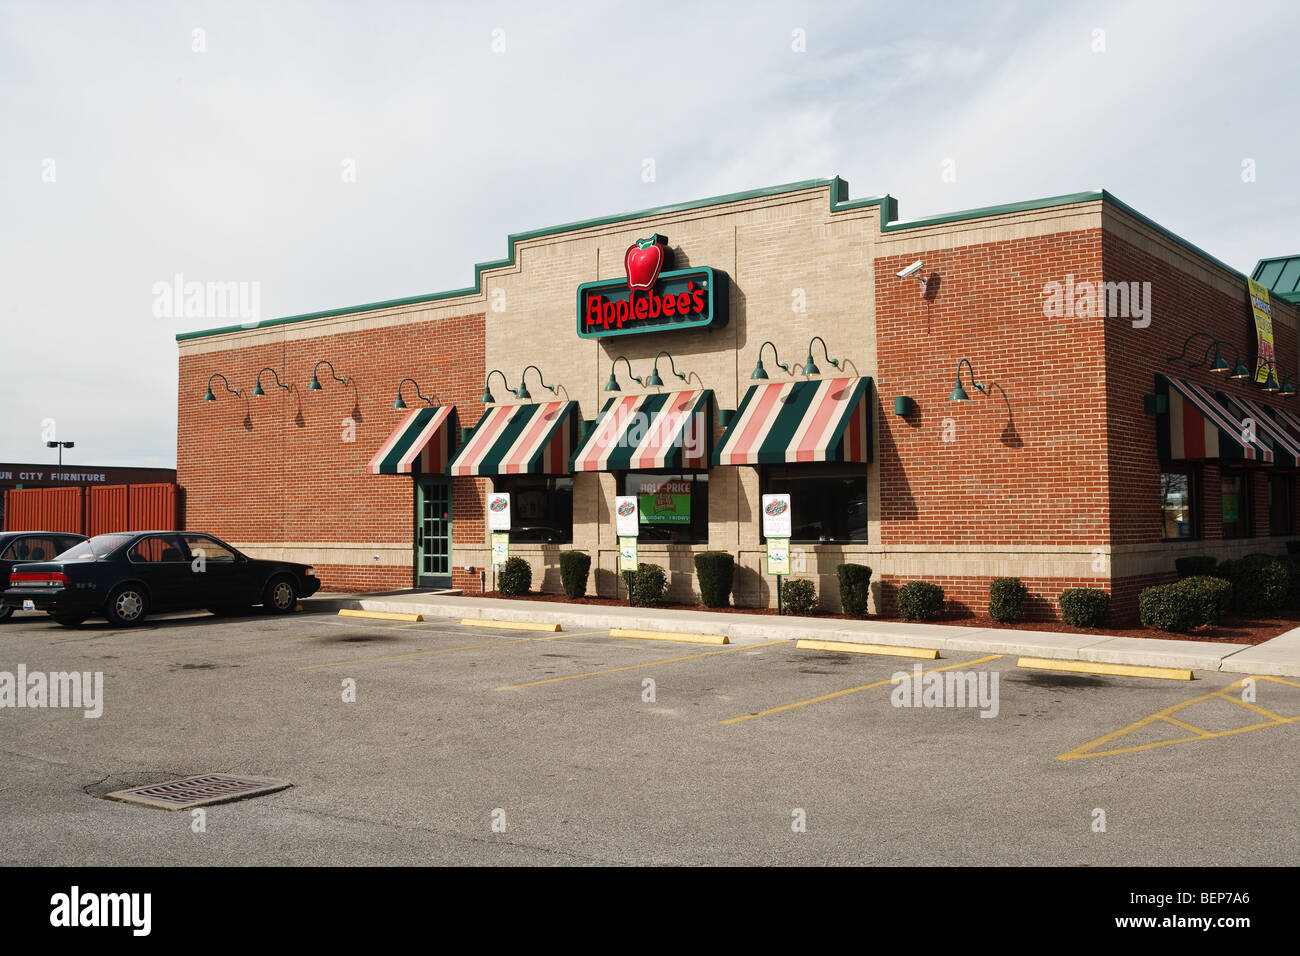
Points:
x=38, y=579
x=308, y=572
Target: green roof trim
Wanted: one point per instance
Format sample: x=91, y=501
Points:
x=1282, y=276
x=839, y=202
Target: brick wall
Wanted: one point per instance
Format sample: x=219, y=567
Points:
x=289, y=468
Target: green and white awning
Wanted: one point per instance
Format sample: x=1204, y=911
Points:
x=420, y=444
x=780, y=422
x=519, y=440
x=668, y=430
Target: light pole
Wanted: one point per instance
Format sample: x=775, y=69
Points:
x=60, y=445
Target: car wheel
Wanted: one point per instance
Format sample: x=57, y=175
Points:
x=69, y=620
x=6, y=613
x=127, y=606
x=281, y=596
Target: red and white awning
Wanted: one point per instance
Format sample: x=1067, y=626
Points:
x=420, y=444
x=519, y=440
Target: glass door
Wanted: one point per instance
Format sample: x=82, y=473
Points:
x=432, y=532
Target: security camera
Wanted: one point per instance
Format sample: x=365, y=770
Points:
x=911, y=270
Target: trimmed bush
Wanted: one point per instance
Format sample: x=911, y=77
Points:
x=855, y=588
x=1195, y=565
x=515, y=576
x=1007, y=599
x=919, y=600
x=1185, y=604
x=574, y=568
x=714, y=569
x=799, y=596
x=1208, y=597
x=1085, y=607
x=1260, y=583
x=1293, y=547
x=1292, y=565
x=646, y=585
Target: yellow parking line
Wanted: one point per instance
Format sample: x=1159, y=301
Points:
x=850, y=690
x=1279, y=680
x=1249, y=706
x=1185, y=726
x=631, y=667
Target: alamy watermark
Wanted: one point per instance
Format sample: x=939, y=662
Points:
x=1098, y=300
x=79, y=690
x=946, y=689
x=179, y=299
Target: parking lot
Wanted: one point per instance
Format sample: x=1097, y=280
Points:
x=469, y=745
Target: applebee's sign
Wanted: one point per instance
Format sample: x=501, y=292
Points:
x=650, y=299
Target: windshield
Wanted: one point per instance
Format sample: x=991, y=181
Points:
x=96, y=549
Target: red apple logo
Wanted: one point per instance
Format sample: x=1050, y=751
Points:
x=644, y=259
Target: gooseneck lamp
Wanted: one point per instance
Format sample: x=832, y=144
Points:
x=208, y=396
x=612, y=384
x=522, y=392
x=400, y=404
x=315, y=382
x=257, y=387
x=1217, y=364
x=809, y=366
x=958, y=393
x=1286, y=389
x=654, y=381
x=760, y=372
x=488, y=399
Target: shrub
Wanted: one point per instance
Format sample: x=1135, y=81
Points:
x=1292, y=565
x=855, y=588
x=1195, y=565
x=1185, y=604
x=1208, y=597
x=1007, y=599
x=1260, y=583
x=1293, y=547
x=919, y=600
x=799, y=596
x=714, y=570
x=1085, y=607
x=574, y=568
x=646, y=585
x=515, y=576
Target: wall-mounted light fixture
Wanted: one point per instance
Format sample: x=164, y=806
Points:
x=904, y=406
x=1286, y=389
x=760, y=372
x=522, y=391
x=315, y=382
x=612, y=384
x=958, y=393
x=654, y=381
x=402, y=404
x=257, y=387
x=208, y=396
x=914, y=270
x=1237, y=370
x=809, y=366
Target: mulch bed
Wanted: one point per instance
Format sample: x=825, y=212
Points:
x=1233, y=630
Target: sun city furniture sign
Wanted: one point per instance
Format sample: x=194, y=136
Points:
x=650, y=299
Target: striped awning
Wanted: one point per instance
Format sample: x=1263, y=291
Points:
x=1198, y=426
x=1285, y=446
x=778, y=422
x=1287, y=418
x=519, y=440
x=420, y=444
x=669, y=430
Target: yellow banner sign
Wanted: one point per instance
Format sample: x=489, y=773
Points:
x=1263, y=312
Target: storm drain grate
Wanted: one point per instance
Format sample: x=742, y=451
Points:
x=198, y=791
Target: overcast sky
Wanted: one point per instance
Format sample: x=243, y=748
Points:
x=130, y=157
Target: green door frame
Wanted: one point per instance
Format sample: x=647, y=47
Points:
x=432, y=539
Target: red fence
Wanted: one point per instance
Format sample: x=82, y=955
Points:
x=91, y=511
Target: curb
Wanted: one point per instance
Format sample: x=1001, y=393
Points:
x=1279, y=657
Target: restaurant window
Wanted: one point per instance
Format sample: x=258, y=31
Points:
x=541, y=507
x=674, y=506
x=1281, y=489
x=1178, y=503
x=827, y=503
x=1236, y=504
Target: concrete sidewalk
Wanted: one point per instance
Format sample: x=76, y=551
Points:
x=1279, y=657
